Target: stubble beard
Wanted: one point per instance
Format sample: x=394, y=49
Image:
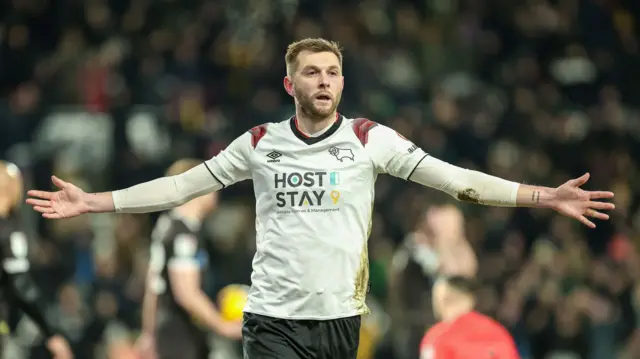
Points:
x=312, y=111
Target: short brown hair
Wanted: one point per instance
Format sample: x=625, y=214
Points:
x=314, y=45
x=182, y=166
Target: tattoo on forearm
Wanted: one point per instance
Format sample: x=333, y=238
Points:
x=535, y=197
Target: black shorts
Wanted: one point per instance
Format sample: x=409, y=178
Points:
x=273, y=338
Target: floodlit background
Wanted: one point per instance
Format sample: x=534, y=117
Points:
x=107, y=94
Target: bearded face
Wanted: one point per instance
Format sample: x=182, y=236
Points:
x=317, y=105
x=317, y=84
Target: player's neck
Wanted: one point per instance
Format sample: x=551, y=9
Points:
x=311, y=127
x=456, y=310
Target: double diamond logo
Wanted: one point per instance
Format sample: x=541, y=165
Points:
x=274, y=155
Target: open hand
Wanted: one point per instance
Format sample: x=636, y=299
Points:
x=68, y=202
x=572, y=201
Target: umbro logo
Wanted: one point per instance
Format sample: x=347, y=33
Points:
x=274, y=155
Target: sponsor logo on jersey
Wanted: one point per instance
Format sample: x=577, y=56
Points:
x=306, y=189
x=412, y=149
x=274, y=155
x=334, y=178
x=341, y=154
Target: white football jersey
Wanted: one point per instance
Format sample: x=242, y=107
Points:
x=314, y=203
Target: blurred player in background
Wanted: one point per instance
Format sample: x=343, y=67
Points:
x=462, y=332
x=314, y=179
x=16, y=286
x=175, y=308
x=445, y=226
x=437, y=246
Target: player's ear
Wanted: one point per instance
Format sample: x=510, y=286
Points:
x=288, y=86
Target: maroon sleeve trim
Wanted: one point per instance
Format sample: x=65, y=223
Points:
x=361, y=127
x=257, y=133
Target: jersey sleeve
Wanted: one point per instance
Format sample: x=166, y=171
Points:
x=15, y=250
x=392, y=153
x=183, y=251
x=232, y=164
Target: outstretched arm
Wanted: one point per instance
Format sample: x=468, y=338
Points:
x=477, y=187
x=230, y=166
x=399, y=157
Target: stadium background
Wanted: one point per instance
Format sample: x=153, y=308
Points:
x=108, y=93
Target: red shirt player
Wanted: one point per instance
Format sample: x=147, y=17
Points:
x=463, y=333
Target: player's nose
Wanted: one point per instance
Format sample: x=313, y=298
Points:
x=324, y=80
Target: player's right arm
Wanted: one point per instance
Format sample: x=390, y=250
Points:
x=225, y=169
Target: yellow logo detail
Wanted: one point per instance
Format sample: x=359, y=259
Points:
x=335, y=196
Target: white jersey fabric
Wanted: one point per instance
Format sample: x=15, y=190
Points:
x=314, y=203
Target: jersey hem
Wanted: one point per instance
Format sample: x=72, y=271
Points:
x=305, y=317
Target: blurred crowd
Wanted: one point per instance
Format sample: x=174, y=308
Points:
x=107, y=93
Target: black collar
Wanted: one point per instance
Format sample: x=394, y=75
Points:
x=311, y=140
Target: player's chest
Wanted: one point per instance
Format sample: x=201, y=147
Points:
x=311, y=174
x=291, y=164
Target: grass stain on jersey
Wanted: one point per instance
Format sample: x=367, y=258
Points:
x=469, y=195
x=362, y=276
x=362, y=280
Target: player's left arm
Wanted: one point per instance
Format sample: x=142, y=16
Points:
x=399, y=157
x=18, y=283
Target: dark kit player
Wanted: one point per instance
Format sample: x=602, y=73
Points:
x=314, y=180
x=16, y=287
x=176, y=311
